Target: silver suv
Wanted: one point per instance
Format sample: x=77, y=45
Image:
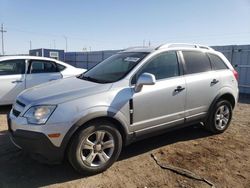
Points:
x=134, y=93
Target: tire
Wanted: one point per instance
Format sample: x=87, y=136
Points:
x=220, y=117
x=95, y=148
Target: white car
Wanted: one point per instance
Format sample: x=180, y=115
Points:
x=18, y=73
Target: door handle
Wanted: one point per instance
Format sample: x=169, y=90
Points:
x=17, y=81
x=179, y=89
x=214, y=81
x=52, y=79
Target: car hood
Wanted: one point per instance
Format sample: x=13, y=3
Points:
x=60, y=91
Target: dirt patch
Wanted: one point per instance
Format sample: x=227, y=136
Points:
x=222, y=159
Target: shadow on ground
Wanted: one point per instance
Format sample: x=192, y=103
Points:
x=19, y=170
x=5, y=109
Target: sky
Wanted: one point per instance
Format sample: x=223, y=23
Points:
x=115, y=24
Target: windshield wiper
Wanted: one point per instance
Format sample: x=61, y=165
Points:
x=88, y=78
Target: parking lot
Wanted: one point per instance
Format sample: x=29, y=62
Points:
x=222, y=159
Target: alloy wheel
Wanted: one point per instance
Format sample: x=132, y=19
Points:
x=97, y=148
x=222, y=116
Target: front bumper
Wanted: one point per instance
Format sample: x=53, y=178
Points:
x=37, y=144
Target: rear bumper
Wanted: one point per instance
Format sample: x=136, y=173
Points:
x=37, y=144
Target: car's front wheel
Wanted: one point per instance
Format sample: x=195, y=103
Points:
x=95, y=148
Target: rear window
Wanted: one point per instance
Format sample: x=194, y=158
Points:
x=39, y=66
x=217, y=62
x=196, y=62
x=60, y=67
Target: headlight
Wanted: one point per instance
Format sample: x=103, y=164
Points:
x=39, y=114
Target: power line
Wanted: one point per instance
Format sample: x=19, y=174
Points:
x=170, y=37
x=2, y=31
x=200, y=38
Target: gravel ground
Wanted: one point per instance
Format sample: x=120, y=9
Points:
x=222, y=159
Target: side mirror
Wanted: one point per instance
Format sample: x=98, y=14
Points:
x=144, y=79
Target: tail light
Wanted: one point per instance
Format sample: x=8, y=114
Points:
x=236, y=75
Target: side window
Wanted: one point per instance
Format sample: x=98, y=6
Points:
x=196, y=62
x=11, y=67
x=38, y=66
x=217, y=62
x=162, y=66
x=60, y=67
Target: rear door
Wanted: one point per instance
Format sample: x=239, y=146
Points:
x=41, y=71
x=12, y=80
x=202, y=83
x=221, y=70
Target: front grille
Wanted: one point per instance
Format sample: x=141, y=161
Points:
x=16, y=113
x=18, y=108
x=20, y=103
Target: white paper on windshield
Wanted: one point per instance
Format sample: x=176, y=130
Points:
x=132, y=59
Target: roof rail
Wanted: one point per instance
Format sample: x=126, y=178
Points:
x=184, y=45
x=133, y=47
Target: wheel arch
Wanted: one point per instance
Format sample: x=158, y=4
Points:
x=226, y=96
x=80, y=124
x=229, y=97
x=120, y=127
x=209, y=120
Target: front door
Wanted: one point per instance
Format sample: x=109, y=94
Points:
x=12, y=80
x=162, y=103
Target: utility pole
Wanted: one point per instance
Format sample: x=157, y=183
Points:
x=54, y=44
x=30, y=44
x=2, y=31
x=66, y=43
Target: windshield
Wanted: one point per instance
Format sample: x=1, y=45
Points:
x=114, y=68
